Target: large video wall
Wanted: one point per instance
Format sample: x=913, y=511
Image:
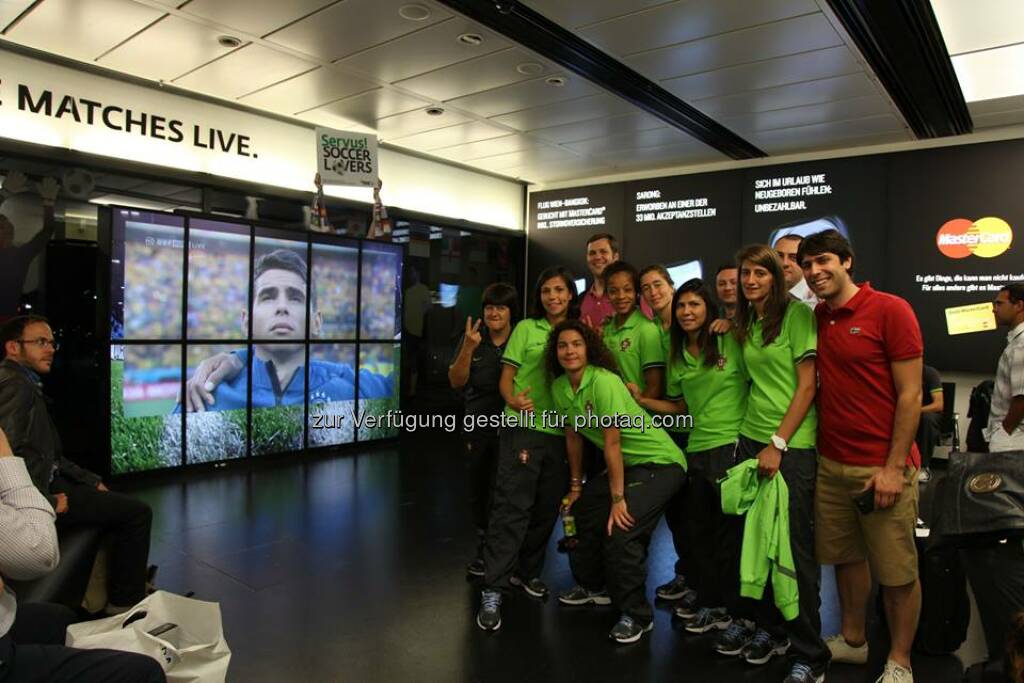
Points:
x=933, y=226
x=250, y=341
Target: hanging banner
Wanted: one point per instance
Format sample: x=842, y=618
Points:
x=345, y=158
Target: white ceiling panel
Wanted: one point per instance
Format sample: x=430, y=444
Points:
x=577, y=13
x=250, y=68
x=257, y=17
x=595, y=128
x=452, y=135
x=802, y=34
x=345, y=28
x=656, y=137
x=473, y=76
x=367, y=107
x=979, y=24
x=681, y=22
x=996, y=106
x=82, y=30
x=418, y=121
x=535, y=93
x=308, y=90
x=828, y=134
x=10, y=9
x=806, y=66
x=434, y=47
x=166, y=50
x=536, y=156
x=837, y=110
x=552, y=173
x=788, y=96
x=676, y=155
x=583, y=109
x=487, y=148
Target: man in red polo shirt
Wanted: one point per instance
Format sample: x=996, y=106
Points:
x=869, y=404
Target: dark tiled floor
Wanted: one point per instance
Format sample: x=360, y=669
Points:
x=351, y=569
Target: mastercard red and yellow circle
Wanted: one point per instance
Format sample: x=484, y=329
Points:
x=986, y=237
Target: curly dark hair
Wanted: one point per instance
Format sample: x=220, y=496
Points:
x=597, y=353
x=706, y=341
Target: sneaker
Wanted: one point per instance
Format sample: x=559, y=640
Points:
x=925, y=475
x=534, y=586
x=732, y=641
x=489, y=616
x=894, y=673
x=762, y=647
x=475, y=568
x=845, y=653
x=686, y=608
x=708, y=619
x=801, y=673
x=578, y=595
x=673, y=590
x=628, y=631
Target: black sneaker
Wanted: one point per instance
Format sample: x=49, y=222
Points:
x=628, y=631
x=686, y=609
x=732, y=641
x=578, y=595
x=475, y=568
x=673, y=590
x=801, y=673
x=534, y=586
x=489, y=616
x=762, y=647
x=709, y=619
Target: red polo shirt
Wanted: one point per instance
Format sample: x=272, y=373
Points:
x=856, y=394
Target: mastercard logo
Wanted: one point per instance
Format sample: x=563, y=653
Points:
x=986, y=237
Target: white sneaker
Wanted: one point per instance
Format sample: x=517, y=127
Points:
x=894, y=673
x=845, y=653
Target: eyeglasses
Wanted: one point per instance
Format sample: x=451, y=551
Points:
x=42, y=343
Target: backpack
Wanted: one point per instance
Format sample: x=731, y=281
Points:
x=980, y=405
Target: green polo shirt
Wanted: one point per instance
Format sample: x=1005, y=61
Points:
x=525, y=352
x=602, y=393
x=772, y=370
x=715, y=396
x=666, y=350
x=636, y=346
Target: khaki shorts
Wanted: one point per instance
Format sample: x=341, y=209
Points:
x=844, y=535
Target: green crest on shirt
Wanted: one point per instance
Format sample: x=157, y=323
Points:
x=625, y=344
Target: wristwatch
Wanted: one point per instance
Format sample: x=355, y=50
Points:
x=780, y=443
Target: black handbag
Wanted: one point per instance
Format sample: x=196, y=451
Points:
x=981, y=498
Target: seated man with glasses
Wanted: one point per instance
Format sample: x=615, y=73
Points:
x=78, y=496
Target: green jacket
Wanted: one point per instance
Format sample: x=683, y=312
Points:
x=766, y=547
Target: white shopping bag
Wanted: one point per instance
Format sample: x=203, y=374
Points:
x=183, y=634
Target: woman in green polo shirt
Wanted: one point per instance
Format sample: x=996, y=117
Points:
x=707, y=379
x=656, y=288
x=634, y=341
x=532, y=469
x=618, y=510
x=779, y=339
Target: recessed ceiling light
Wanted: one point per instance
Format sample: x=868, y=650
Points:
x=556, y=81
x=530, y=68
x=414, y=12
x=434, y=111
x=470, y=39
x=229, y=41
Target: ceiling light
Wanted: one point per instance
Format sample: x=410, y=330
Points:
x=530, y=68
x=556, y=81
x=434, y=111
x=414, y=12
x=470, y=39
x=228, y=41
x=991, y=74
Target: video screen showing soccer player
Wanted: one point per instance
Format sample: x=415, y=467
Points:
x=218, y=430
x=381, y=293
x=378, y=386
x=144, y=381
x=331, y=394
x=146, y=283
x=335, y=288
x=218, y=280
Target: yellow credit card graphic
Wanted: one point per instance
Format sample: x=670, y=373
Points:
x=970, y=318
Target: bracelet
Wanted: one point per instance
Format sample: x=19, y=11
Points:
x=617, y=498
x=575, y=480
x=576, y=487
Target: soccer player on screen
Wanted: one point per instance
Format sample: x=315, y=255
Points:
x=278, y=316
